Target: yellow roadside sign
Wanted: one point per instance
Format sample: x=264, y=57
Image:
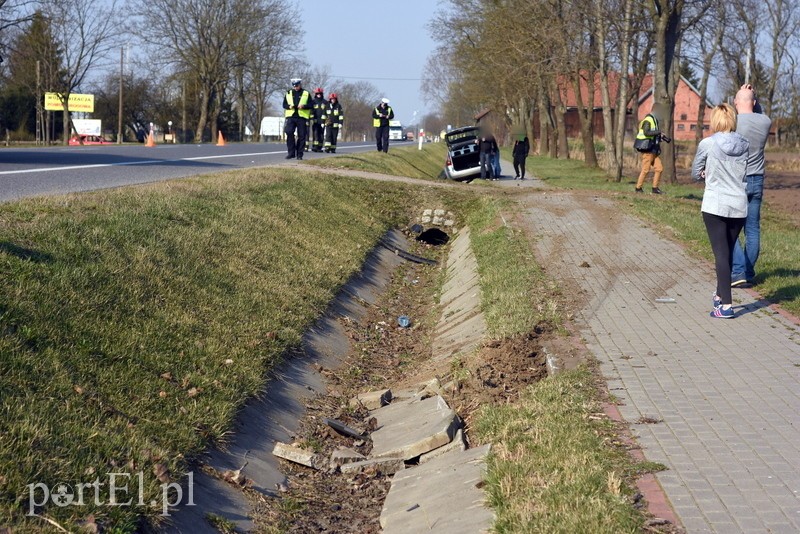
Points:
x=77, y=102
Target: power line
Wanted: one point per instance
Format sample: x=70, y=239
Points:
x=380, y=79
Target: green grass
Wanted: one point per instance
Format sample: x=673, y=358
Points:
x=135, y=322
x=509, y=276
x=552, y=469
x=678, y=213
x=407, y=160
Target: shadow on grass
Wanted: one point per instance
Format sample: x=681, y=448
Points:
x=24, y=253
x=410, y=164
x=691, y=196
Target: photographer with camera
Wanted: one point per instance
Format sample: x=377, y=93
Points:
x=648, y=143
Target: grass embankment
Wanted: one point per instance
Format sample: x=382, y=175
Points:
x=134, y=322
x=678, y=212
x=406, y=160
x=553, y=468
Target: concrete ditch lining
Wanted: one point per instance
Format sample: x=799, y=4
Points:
x=417, y=425
x=274, y=415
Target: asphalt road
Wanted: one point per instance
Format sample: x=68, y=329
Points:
x=29, y=172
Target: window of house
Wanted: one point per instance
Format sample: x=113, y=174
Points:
x=706, y=127
x=692, y=127
x=681, y=127
x=683, y=116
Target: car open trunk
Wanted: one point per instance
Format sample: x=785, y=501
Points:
x=464, y=152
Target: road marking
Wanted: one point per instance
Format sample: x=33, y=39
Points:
x=152, y=161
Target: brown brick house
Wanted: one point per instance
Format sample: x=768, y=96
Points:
x=687, y=98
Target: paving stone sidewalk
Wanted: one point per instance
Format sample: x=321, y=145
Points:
x=717, y=401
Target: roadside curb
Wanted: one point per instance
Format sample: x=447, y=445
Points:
x=658, y=504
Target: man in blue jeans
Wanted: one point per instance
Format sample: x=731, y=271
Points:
x=755, y=128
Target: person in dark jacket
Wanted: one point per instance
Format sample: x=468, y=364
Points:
x=650, y=133
x=334, y=122
x=521, y=150
x=381, y=116
x=318, y=118
x=297, y=112
x=488, y=147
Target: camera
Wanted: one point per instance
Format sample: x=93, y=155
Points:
x=666, y=139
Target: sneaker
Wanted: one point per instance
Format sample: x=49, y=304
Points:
x=300, y=157
x=720, y=313
x=639, y=190
x=657, y=191
x=290, y=156
x=739, y=283
x=716, y=302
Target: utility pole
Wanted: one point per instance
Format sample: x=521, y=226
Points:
x=39, y=136
x=183, y=113
x=119, y=116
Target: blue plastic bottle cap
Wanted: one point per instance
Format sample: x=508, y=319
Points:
x=404, y=321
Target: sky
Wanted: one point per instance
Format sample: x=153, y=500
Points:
x=385, y=43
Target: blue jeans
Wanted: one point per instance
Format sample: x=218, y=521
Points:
x=744, y=260
x=486, y=164
x=496, y=165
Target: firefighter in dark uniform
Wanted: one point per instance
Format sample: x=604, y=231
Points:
x=298, y=107
x=333, y=123
x=381, y=116
x=318, y=118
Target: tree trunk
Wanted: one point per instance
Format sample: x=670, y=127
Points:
x=67, y=123
x=622, y=96
x=585, y=116
x=544, y=124
x=203, y=119
x=667, y=19
x=562, y=150
x=708, y=58
x=610, y=152
x=216, y=110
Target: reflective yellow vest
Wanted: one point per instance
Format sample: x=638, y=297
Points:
x=304, y=98
x=377, y=122
x=653, y=126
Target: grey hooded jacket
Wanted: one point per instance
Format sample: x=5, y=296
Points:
x=722, y=160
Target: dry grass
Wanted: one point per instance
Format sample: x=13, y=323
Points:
x=553, y=468
x=135, y=322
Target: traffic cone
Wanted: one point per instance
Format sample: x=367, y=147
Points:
x=151, y=140
x=220, y=140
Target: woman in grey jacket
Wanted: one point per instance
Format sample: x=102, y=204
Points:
x=721, y=161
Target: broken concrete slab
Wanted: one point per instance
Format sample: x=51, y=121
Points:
x=343, y=456
x=388, y=466
x=372, y=400
x=297, y=455
x=421, y=390
x=410, y=428
x=458, y=444
x=442, y=496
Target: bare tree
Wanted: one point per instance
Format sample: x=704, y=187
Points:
x=214, y=40
x=358, y=99
x=15, y=12
x=85, y=32
x=670, y=19
x=708, y=37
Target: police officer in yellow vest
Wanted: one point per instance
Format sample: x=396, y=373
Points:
x=297, y=105
x=647, y=142
x=381, y=116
